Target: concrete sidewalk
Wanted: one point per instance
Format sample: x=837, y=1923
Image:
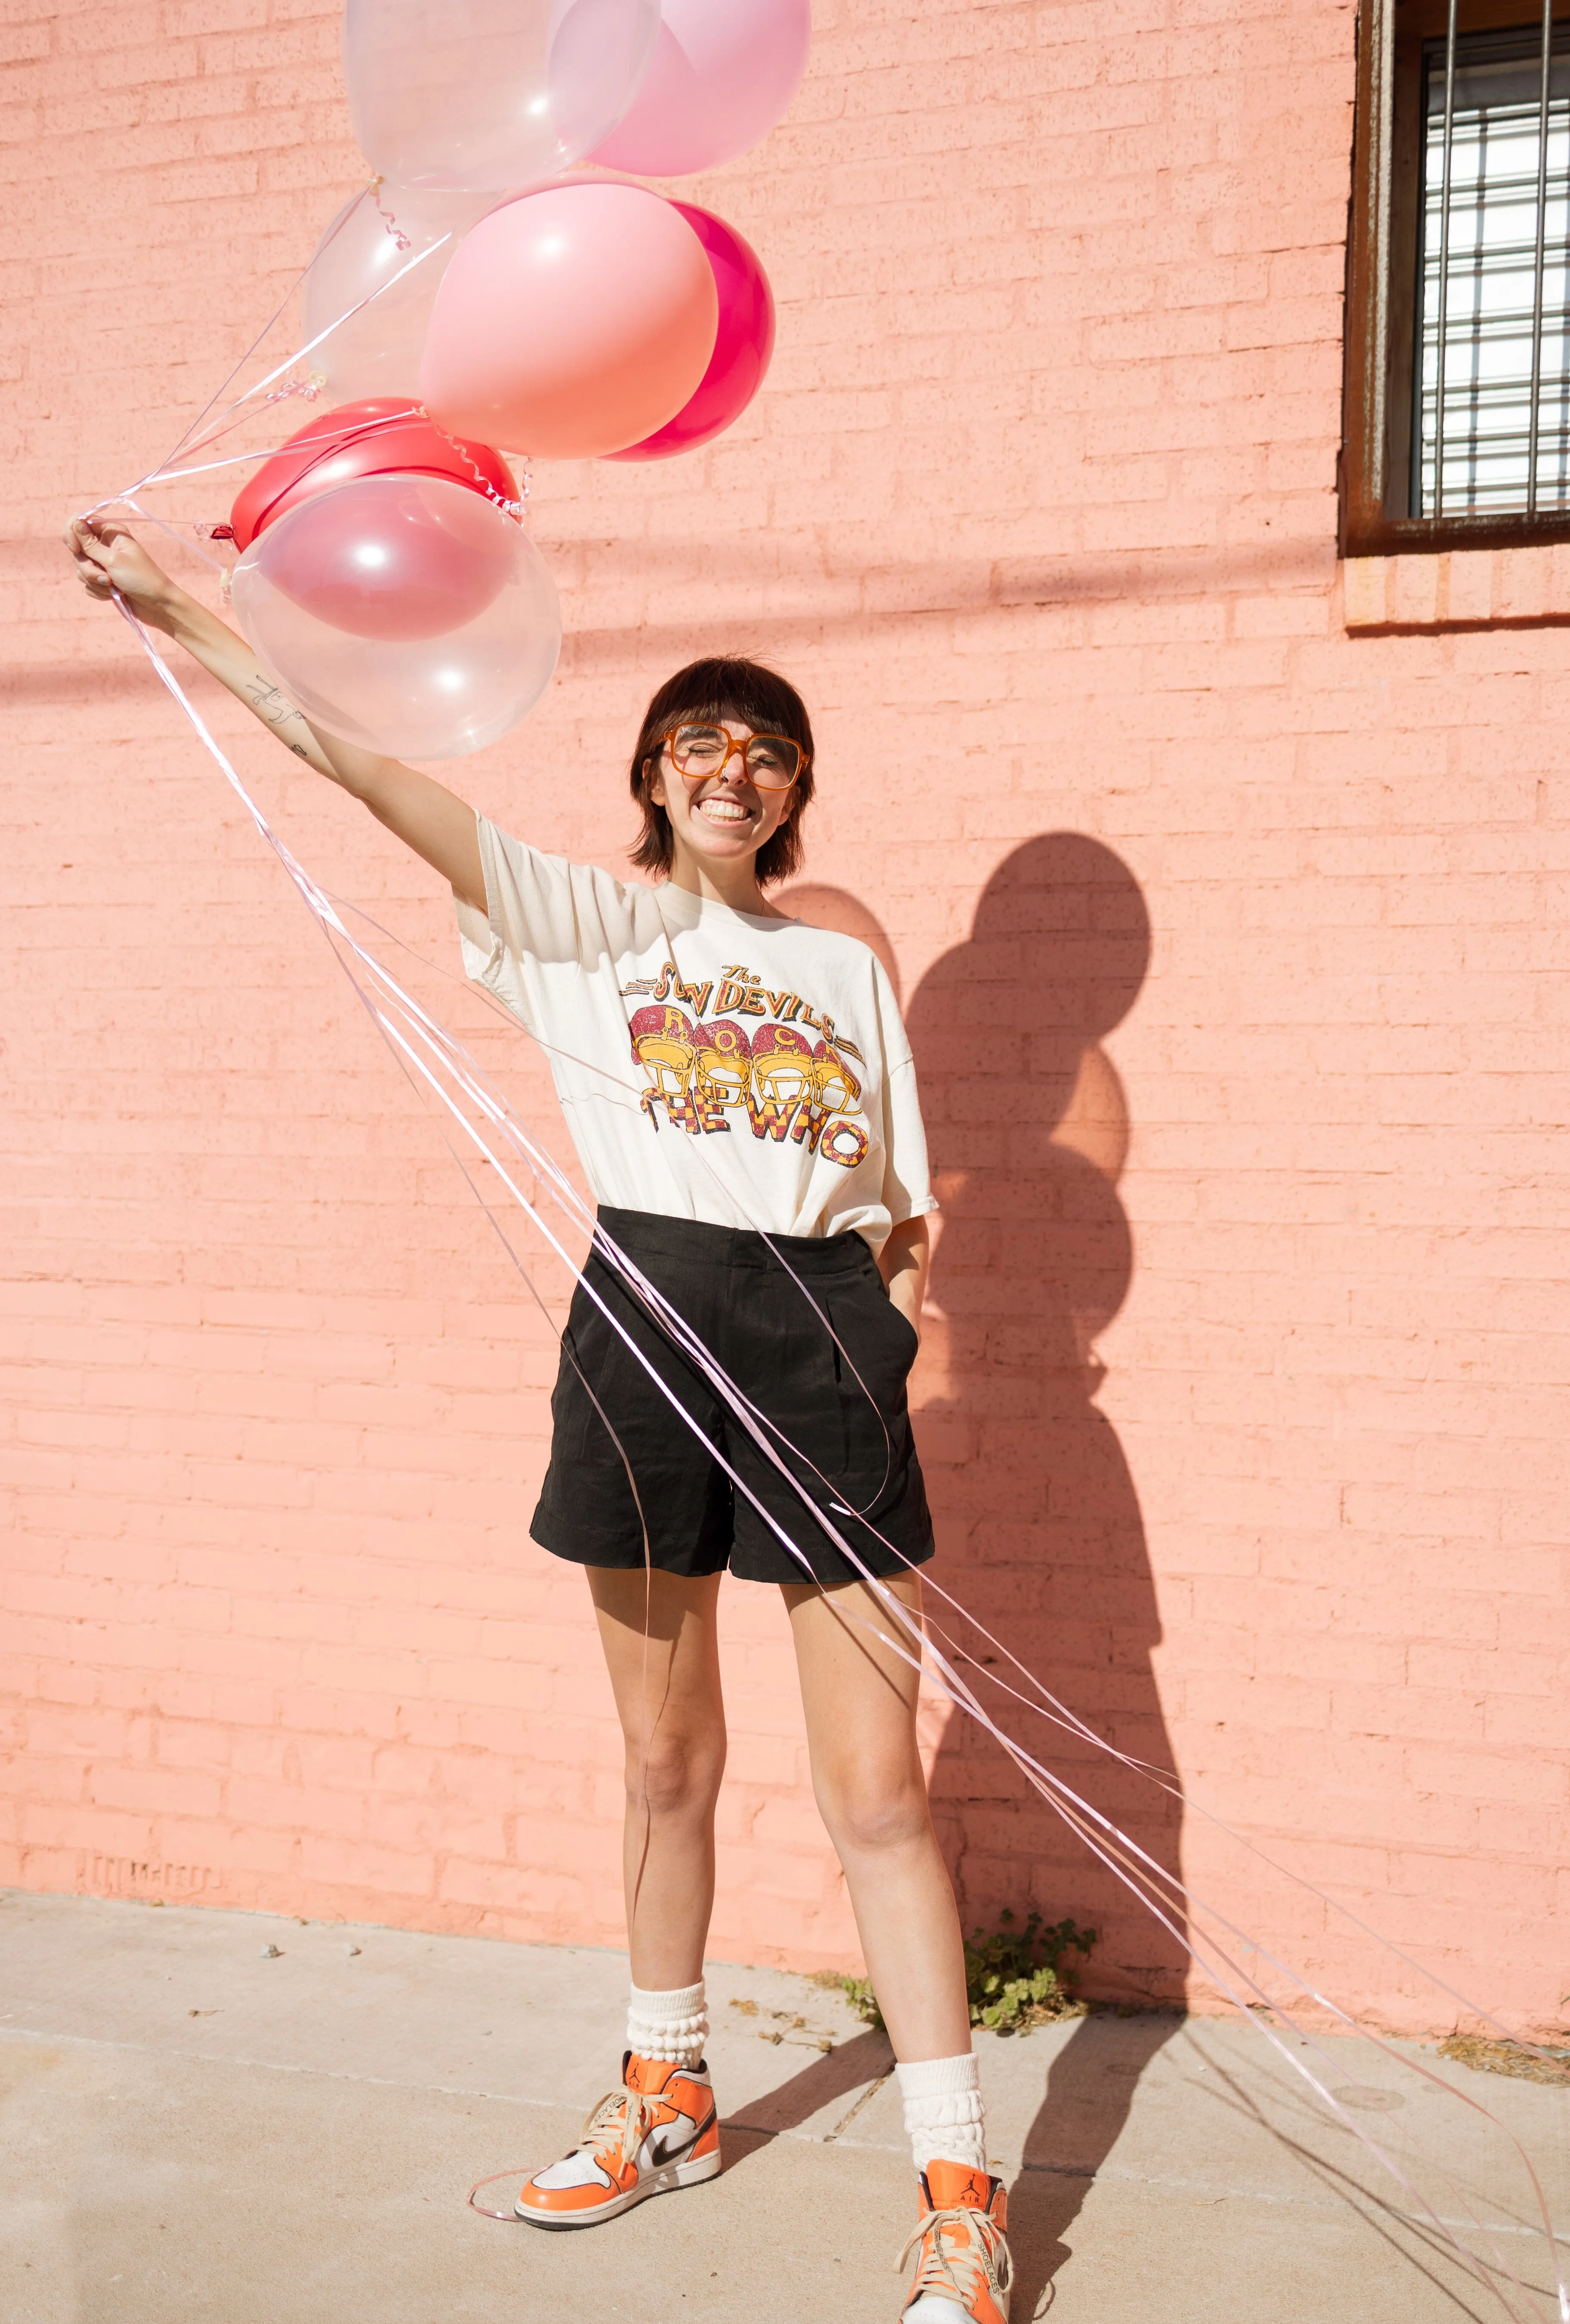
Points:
x=193, y=2128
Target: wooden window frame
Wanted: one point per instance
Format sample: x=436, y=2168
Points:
x=1381, y=271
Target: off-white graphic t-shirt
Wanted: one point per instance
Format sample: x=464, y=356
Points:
x=711, y=1065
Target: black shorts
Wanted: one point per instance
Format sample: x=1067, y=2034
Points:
x=754, y=1321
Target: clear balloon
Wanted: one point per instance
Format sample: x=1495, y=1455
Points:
x=572, y=322
x=377, y=350
x=479, y=95
x=405, y=614
x=741, y=348
x=386, y=557
x=724, y=73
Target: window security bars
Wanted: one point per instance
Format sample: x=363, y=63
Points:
x=1491, y=423
x=1458, y=280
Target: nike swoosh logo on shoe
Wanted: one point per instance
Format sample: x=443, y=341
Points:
x=670, y=2138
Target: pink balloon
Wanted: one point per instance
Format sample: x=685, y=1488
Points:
x=389, y=556
x=741, y=348
x=576, y=320
x=724, y=73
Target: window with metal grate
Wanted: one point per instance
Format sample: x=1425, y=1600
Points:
x=1458, y=355
x=1491, y=284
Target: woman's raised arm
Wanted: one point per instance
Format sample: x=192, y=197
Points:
x=424, y=814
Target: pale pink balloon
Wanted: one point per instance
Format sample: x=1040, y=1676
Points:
x=571, y=323
x=724, y=73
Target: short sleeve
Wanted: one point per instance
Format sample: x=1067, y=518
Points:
x=907, y=1184
x=542, y=911
x=907, y=1177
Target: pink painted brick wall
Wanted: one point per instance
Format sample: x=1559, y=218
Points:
x=1232, y=944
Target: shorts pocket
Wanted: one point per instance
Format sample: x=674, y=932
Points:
x=877, y=1348
x=589, y=1350
x=603, y=1392
x=906, y=1330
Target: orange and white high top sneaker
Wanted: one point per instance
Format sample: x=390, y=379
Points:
x=659, y=2131
x=963, y=2269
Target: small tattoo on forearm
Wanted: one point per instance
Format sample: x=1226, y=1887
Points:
x=274, y=706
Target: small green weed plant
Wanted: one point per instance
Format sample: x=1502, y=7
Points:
x=1014, y=1978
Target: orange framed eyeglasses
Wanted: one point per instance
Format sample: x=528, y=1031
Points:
x=770, y=763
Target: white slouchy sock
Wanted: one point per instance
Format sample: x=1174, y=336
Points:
x=672, y=2026
x=944, y=2112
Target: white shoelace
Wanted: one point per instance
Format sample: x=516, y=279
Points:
x=980, y=2260
x=601, y=2122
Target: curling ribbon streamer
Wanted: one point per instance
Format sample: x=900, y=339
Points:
x=428, y=1052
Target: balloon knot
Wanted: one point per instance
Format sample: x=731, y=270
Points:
x=310, y=387
x=516, y=509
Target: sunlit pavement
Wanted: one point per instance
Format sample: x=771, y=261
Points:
x=195, y=2128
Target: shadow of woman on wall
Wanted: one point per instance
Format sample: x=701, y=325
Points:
x=1039, y=1524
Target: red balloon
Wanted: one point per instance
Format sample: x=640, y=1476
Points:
x=741, y=351
x=382, y=435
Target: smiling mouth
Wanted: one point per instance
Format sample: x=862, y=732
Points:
x=721, y=807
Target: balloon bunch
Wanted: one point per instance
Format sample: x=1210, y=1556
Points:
x=502, y=283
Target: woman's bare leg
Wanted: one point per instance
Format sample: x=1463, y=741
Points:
x=667, y=1686
x=860, y=1701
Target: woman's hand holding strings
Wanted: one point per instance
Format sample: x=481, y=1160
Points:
x=111, y=562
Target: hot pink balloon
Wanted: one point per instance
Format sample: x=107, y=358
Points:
x=577, y=320
x=393, y=556
x=724, y=73
x=741, y=348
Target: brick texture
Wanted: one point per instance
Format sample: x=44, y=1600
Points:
x=1232, y=943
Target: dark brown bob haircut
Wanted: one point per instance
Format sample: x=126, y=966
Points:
x=724, y=687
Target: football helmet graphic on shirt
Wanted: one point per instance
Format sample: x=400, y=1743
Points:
x=787, y=1084
x=783, y=1067
x=724, y=1063
x=662, y=1044
x=834, y=1086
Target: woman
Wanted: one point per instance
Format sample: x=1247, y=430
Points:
x=740, y=1091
